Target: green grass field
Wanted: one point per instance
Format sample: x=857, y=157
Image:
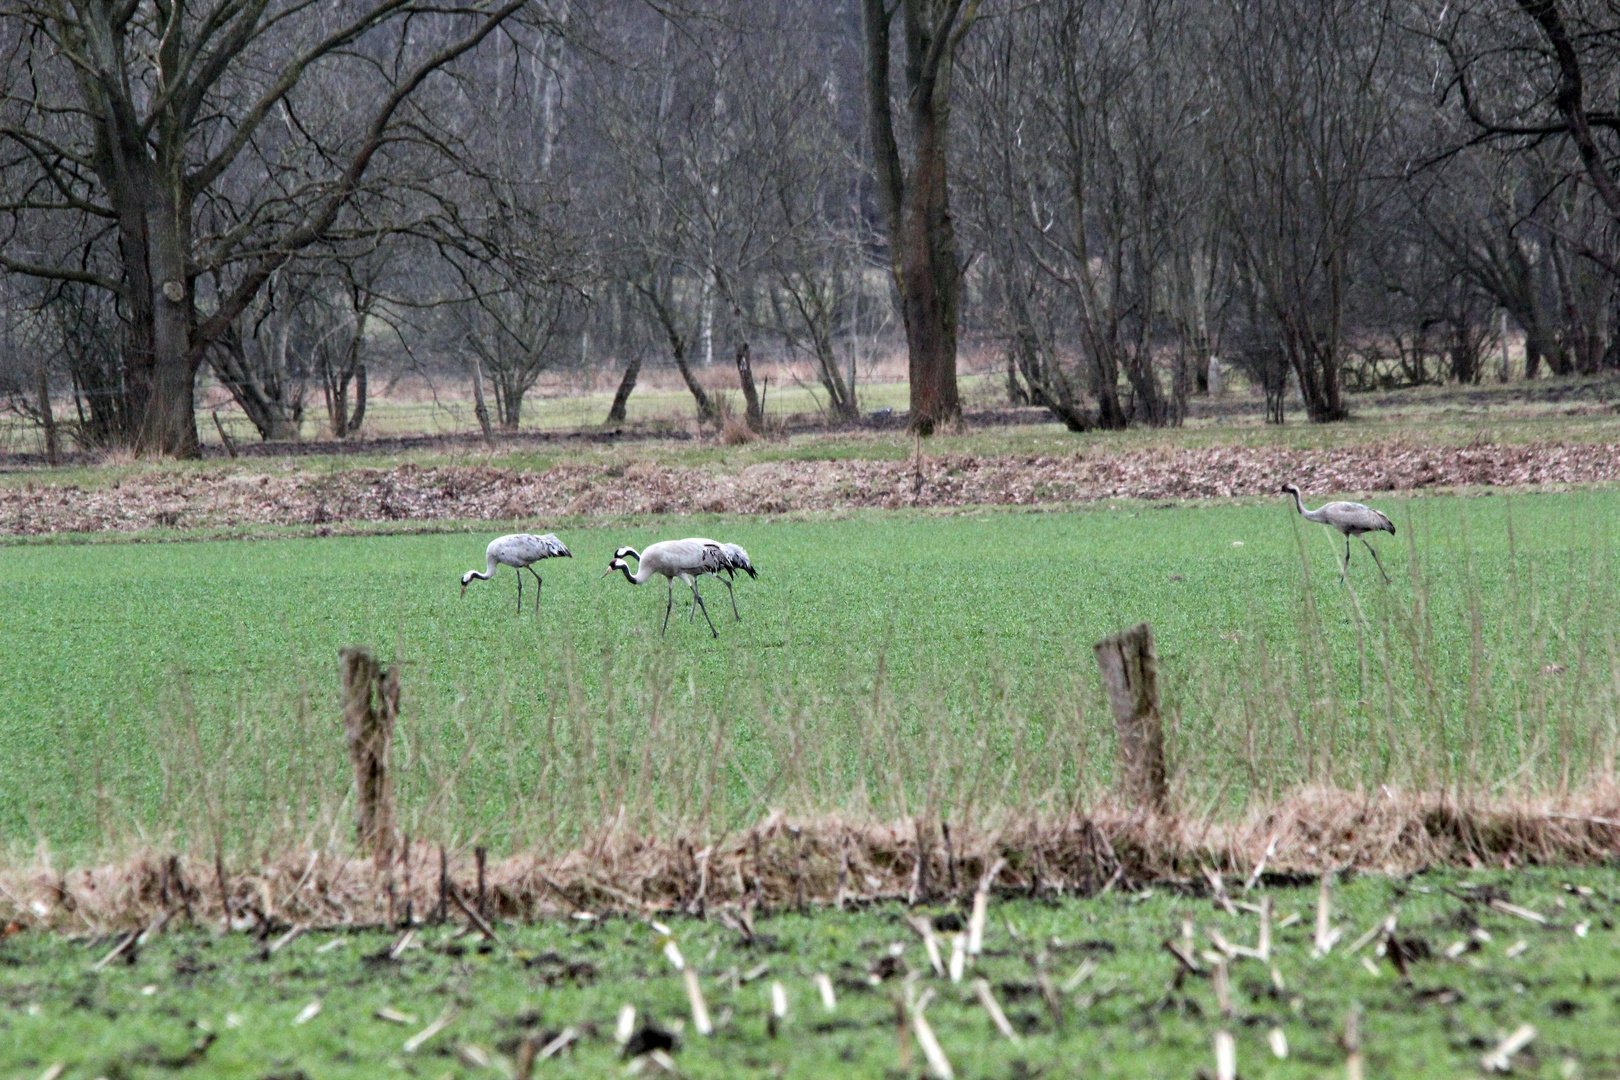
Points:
x=174, y=691
x=195, y=1004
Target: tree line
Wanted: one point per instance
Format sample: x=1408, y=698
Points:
x=1125, y=196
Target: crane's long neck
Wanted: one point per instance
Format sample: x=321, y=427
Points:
x=1308, y=515
x=489, y=569
x=641, y=576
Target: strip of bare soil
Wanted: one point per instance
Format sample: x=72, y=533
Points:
x=235, y=497
x=822, y=859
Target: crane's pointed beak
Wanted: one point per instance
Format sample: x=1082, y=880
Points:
x=463, y=588
x=608, y=571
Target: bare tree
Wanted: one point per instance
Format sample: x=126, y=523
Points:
x=1307, y=106
x=1094, y=200
x=916, y=201
x=264, y=358
x=131, y=115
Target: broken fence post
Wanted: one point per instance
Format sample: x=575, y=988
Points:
x=1130, y=672
x=370, y=707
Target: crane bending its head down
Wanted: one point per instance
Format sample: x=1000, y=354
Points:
x=731, y=559
x=685, y=559
x=1351, y=519
x=519, y=551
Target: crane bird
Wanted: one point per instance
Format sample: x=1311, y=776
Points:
x=520, y=551
x=684, y=559
x=1351, y=519
x=732, y=559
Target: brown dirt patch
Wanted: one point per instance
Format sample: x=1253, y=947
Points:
x=237, y=497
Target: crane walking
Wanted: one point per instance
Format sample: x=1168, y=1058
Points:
x=519, y=551
x=684, y=559
x=1352, y=519
x=732, y=559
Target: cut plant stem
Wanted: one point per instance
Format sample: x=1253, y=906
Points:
x=1519, y=912
x=414, y=1043
x=700, y=1009
x=829, y=1000
x=938, y=1064
x=925, y=929
x=1225, y=1056
x=1380, y=929
x=981, y=906
x=988, y=999
x=1326, y=934
x=626, y=1025
x=779, y=1004
x=555, y=1046
x=1498, y=1060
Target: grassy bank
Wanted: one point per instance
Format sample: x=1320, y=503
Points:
x=886, y=663
x=1115, y=1004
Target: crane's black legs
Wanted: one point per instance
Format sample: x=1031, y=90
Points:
x=697, y=602
x=1345, y=569
x=1376, y=559
x=733, y=593
x=520, y=592
x=539, y=583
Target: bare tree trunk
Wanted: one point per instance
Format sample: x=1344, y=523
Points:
x=335, y=386
x=922, y=238
x=627, y=384
x=705, y=406
x=480, y=408
x=161, y=372
x=47, y=418
x=228, y=359
x=930, y=288
x=745, y=375
x=1016, y=394
x=358, y=417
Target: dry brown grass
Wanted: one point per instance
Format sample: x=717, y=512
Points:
x=226, y=497
x=826, y=860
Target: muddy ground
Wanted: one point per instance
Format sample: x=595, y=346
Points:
x=238, y=496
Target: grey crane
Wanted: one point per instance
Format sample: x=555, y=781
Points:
x=732, y=559
x=1351, y=519
x=685, y=559
x=520, y=551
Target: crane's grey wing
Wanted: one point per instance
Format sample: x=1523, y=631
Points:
x=737, y=559
x=676, y=556
x=508, y=550
x=554, y=547
x=1351, y=515
x=531, y=548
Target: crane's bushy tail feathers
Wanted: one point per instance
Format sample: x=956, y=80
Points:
x=736, y=558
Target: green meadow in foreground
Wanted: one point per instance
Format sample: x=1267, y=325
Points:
x=335, y=1006
x=177, y=692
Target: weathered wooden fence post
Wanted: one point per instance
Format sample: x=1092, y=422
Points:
x=1130, y=672
x=370, y=707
